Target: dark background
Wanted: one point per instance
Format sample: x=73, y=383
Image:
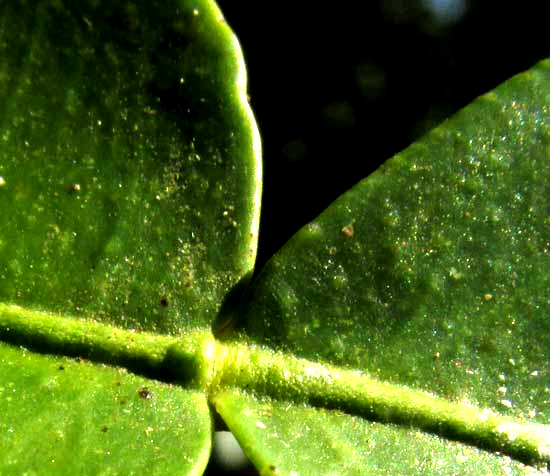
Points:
x=338, y=88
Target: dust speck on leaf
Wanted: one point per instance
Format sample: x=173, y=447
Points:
x=348, y=231
x=144, y=393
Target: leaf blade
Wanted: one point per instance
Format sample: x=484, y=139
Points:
x=432, y=271
x=361, y=279
x=136, y=424
x=133, y=137
x=285, y=438
x=130, y=178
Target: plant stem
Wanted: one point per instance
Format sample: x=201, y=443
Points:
x=197, y=360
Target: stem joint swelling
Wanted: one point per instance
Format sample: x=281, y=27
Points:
x=197, y=360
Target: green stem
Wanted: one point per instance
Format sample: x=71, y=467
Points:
x=198, y=360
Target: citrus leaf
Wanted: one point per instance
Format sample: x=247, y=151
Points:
x=129, y=202
x=56, y=408
x=432, y=272
x=285, y=438
x=129, y=162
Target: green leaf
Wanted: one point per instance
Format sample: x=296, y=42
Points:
x=129, y=195
x=130, y=182
x=287, y=438
x=63, y=416
x=433, y=271
x=129, y=162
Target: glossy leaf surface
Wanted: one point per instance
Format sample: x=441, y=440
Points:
x=129, y=195
x=65, y=416
x=130, y=181
x=432, y=272
x=285, y=438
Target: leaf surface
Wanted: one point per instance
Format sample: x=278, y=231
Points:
x=63, y=416
x=130, y=182
x=129, y=196
x=285, y=438
x=432, y=272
